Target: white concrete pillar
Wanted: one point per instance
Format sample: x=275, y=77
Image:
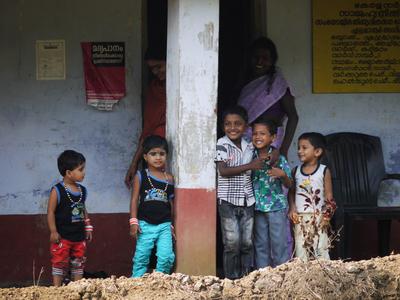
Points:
x=192, y=79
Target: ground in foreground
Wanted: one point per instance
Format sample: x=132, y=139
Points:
x=378, y=278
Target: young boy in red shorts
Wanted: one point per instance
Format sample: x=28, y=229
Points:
x=68, y=219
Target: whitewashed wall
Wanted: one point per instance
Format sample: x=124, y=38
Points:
x=40, y=119
x=289, y=25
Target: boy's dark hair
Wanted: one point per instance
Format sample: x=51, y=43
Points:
x=69, y=160
x=236, y=110
x=266, y=43
x=271, y=124
x=154, y=141
x=316, y=139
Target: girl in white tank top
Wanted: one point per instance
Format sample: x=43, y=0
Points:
x=311, y=203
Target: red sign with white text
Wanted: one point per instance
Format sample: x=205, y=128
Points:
x=104, y=68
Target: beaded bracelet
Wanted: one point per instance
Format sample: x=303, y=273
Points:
x=133, y=221
x=88, y=228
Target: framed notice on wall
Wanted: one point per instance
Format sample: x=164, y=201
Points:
x=50, y=59
x=356, y=46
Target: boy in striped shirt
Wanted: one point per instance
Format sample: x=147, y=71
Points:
x=235, y=192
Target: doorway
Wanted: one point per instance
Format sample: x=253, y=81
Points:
x=236, y=31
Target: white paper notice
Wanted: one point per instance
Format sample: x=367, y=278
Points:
x=50, y=60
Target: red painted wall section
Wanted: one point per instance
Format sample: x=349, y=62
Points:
x=195, y=223
x=25, y=238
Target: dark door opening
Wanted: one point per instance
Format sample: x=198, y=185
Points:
x=234, y=38
x=235, y=35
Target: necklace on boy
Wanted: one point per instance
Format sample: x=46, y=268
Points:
x=151, y=183
x=69, y=196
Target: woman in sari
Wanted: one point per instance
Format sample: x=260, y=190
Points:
x=267, y=94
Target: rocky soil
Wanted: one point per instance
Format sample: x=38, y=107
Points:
x=378, y=278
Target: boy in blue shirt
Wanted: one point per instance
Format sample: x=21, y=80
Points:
x=270, y=217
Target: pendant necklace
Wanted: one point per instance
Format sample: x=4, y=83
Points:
x=69, y=196
x=151, y=184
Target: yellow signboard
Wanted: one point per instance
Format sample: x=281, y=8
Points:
x=356, y=46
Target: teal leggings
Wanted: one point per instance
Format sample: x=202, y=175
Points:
x=159, y=235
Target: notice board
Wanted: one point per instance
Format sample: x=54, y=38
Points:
x=356, y=46
x=50, y=59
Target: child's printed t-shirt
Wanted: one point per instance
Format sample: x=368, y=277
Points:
x=310, y=191
x=268, y=191
x=155, y=198
x=70, y=212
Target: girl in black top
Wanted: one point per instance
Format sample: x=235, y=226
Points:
x=151, y=209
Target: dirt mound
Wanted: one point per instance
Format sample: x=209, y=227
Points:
x=377, y=278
